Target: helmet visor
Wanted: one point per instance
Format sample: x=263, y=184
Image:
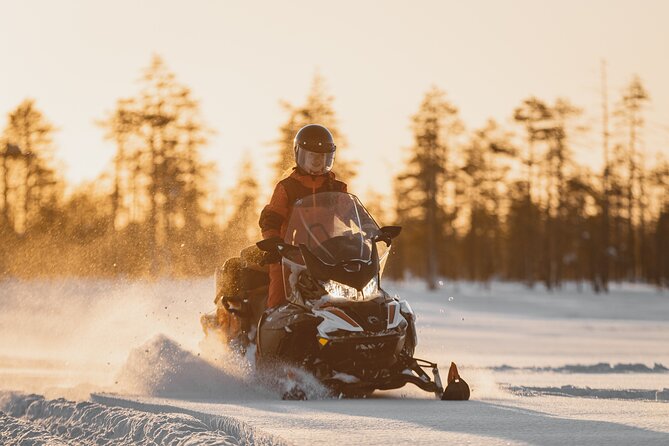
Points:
x=315, y=163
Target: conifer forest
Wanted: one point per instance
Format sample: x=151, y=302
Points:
x=503, y=202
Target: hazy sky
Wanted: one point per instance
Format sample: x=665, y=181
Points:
x=240, y=58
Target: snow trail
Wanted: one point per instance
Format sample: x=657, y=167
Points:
x=137, y=346
x=388, y=420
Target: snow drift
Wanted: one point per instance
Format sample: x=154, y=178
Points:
x=33, y=420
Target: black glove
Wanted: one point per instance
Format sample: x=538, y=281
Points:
x=271, y=253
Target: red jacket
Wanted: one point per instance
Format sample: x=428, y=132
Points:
x=274, y=216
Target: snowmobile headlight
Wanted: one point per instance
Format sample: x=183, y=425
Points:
x=371, y=289
x=336, y=289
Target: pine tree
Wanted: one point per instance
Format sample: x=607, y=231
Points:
x=535, y=116
x=32, y=189
x=11, y=154
x=630, y=112
x=660, y=176
x=483, y=173
x=558, y=161
x=158, y=173
x=425, y=211
x=120, y=127
x=242, y=229
x=634, y=98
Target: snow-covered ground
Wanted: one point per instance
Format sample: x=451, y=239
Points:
x=123, y=362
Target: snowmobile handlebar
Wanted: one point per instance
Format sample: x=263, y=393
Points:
x=274, y=248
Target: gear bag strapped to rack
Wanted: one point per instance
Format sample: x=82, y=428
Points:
x=241, y=294
x=241, y=280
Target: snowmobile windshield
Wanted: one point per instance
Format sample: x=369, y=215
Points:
x=334, y=226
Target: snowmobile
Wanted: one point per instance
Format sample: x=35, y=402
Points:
x=338, y=323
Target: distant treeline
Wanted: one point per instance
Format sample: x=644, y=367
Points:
x=493, y=203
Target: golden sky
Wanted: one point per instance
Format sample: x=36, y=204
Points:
x=76, y=58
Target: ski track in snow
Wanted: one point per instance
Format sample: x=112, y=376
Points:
x=587, y=392
x=149, y=388
x=602, y=367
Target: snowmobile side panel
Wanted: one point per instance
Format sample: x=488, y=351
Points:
x=287, y=332
x=335, y=319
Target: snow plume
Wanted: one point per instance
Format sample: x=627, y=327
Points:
x=214, y=349
x=286, y=379
x=273, y=382
x=73, y=337
x=161, y=367
x=68, y=337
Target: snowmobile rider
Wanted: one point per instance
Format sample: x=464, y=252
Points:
x=314, y=157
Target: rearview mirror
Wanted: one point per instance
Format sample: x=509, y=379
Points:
x=391, y=231
x=387, y=233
